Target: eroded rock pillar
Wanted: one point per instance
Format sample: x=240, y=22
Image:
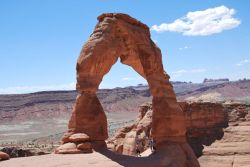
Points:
x=168, y=121
x=88, y=117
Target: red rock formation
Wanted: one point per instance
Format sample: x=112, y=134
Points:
x=233, y=149
x=238, y=112
x=74, y=143
x=131, y=42
x=121, y=36
x=4, y=156
x=204, y=121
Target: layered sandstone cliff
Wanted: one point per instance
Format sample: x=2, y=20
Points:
x=204, y=122
x=233, y=149
x=218, y=133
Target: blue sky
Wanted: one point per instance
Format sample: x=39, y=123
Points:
x=41, y=40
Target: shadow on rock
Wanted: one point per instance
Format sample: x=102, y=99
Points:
x=169, y=154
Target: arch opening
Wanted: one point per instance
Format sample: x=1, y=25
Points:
x=120, y=76
x=121, y=103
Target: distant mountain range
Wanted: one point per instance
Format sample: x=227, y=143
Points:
x=40, y=105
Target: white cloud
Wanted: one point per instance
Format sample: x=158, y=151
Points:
x=127, y=79
x=29, y=89
x=202, y=23
x=185, y=47
x=180, y=71
x=243, y=62
x=198, y=70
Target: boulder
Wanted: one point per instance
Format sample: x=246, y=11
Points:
x=4, y=156
x=65, y=138
x=85, y=147
x=14, y=152
x=68, y=148
x=79, y=137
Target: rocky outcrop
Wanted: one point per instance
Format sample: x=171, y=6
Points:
x=15, y=152
x=125, y=139
x=238, y=113
x=233, y=149
x=116, y=36
x=204, y=122
x=4, y=156
x=75, y=143
x=219, y=134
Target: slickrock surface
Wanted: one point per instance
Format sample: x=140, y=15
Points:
x=233, y=150
x=116, y=36
x=103, y=158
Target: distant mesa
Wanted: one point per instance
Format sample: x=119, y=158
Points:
x=215, y=80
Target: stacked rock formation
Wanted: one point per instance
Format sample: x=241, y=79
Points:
x=126, y=138
x=74, y=144
x=116, y=36
x=204, y=121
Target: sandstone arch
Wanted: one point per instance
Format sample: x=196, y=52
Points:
x=119, y=35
